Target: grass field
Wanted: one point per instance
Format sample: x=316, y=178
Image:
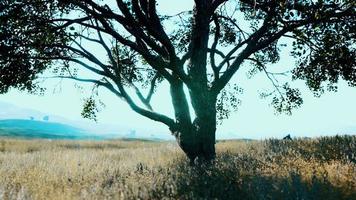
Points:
x=323, y=168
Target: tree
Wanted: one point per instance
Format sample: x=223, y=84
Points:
x=199, y=49
x=45, y=118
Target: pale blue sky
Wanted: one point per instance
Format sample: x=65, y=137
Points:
x=331, y=114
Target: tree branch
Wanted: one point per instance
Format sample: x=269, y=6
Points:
x=152, y=88
x=107, y=84
x=149, y=114
x=149, y=19
x=243, y=33
x=268, y=75
x=213, y=47
x=156, y=62
x=216, y=4
x=254, y=45
x=121, y=93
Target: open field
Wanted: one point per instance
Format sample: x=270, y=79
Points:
x=323, y=168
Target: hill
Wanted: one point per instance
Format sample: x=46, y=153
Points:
x=39, y=129
x=10, y=111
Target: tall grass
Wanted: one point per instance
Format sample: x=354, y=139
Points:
x=322, y=168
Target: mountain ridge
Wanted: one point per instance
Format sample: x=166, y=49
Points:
x=102, y=129
x=40, y=129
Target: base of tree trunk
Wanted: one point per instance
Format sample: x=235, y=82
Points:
x=198, y=148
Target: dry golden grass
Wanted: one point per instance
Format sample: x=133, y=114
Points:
x=302, y=169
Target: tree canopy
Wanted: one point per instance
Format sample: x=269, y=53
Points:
x=133, y=48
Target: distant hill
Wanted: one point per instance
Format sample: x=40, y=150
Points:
x=9, y=111
x=39, y=129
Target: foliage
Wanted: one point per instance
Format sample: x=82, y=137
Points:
x=27, y=40
x=89, y=109
x=272, y=169
x=228, y=102
x=326, y=51
x=36, y=34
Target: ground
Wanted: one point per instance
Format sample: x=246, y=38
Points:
x=322, y=168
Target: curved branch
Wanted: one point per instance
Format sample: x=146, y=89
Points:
x=243, y=33
x=147, y=16
x=69, y=22
x=215, y=4
x=213, y=47
x=95, y=70
x=121, y=93
x=231, y=53
x=155, y=61
x=107, y=84
x=149, y=114
x=153, y=85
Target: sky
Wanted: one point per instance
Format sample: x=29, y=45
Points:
x=333, y=113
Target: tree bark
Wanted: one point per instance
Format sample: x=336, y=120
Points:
x=204, y=124
x=197, y=138
x=182, y=129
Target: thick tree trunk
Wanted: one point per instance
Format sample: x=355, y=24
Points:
x=205, y=139
x=197, y=139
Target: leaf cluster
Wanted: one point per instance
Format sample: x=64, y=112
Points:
x=27, y=41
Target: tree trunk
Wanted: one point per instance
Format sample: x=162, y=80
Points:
x=197, y=139
x=205, y=139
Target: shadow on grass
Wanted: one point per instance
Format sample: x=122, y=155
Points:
x=236, y=177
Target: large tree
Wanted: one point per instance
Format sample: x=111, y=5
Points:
x=131, y=47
